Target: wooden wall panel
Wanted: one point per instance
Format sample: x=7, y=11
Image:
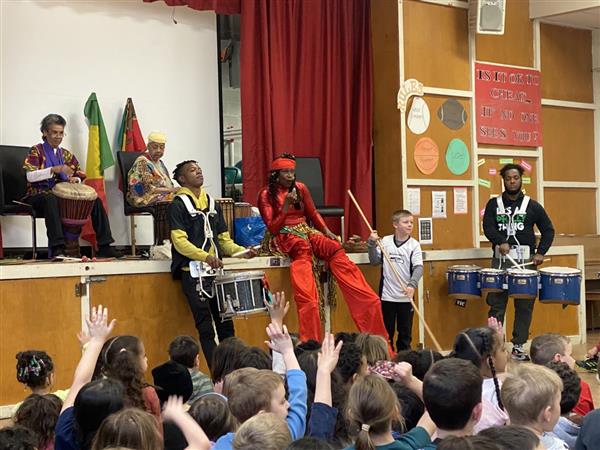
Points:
x=566, y=63
x=571, y=210
x=568, y=144
x=436, y=45
x=442, y=135
x=444, y=318
x=515, y=46
x=455, y=231
x=492, y=163
x=35, y=315
x=387, y=161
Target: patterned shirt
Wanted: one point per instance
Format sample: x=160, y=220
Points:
x=37, y=160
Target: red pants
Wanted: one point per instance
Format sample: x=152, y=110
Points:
x=363, y=303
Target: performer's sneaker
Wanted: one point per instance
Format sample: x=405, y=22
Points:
x=107, y=251
x=519, y=354
x=589, y=364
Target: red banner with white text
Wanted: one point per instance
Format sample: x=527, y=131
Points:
x=508, y=105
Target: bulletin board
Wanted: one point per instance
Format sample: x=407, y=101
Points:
x=572, y=211
x=441, y=135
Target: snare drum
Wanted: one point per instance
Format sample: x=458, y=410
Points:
x=492, y=280
x=560, y=285
x=240, y=294
x=463, y=281
x=522, y=283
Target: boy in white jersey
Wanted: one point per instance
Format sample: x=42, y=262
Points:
x=405, y=253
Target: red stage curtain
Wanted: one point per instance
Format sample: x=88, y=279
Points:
x=218, y=6
x=306, y=88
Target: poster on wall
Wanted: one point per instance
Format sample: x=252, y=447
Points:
x=413, y=203
x=438, y=204
x=508, y=105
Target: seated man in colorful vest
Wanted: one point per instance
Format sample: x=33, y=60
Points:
x=47, y=164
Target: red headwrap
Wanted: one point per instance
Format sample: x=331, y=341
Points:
x=282, y=163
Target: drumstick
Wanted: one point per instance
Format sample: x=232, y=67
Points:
x=243, y=252
x=516, y=264
x=395, y=270
x=530, y=263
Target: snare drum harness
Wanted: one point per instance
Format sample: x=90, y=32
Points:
x=208, y=233
x=510, y=226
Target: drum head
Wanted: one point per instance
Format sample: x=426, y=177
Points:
x=74, y=191
x=555, y=270
x=464, y=268
x=492, y=271
x=240, y=276
x=521, y=272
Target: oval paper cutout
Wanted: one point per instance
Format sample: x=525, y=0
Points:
x=452, y=114
x=418, y=117
x=457, y=157
x=427, y=155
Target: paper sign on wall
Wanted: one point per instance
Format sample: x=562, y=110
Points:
x=492, y=171
x=438, y=204
x=506, y=160
x=526, y=180
x=485, y=183
x=460, y=200
x=425, y=230
x=413, y=200
x=525, y=165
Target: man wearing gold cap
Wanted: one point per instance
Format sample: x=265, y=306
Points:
x=149, y=183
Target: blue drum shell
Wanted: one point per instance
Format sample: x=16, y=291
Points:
x=520, y=286
x=560, y=288
x=463, y=283
x=492, y=281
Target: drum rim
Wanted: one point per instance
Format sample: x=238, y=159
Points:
x=548, y=271
x=240, y=276
x=522, y=272
x=463, y=268
x=491, y=270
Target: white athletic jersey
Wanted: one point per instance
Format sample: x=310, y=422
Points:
x=405, y=257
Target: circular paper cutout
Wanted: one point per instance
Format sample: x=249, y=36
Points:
x=427, y=155
x=418, y=117
x=452, y=114
x=457, y=157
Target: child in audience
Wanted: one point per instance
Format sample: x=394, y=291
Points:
x=589, y=434
x=468, y=442
x=310, y=443
x=40, y=413
x=531, y=396
x=17, y=438
x=484, y=347
x=352, y=363
x=35, y=369
x=420, y=360
x=512, y=437
x=186, y=351
x=88, y=404
x=124, y=359
x=555, y=347
x=568, y=424
x=174, y=411
x=372, y=409
x=412, y=408
x=265, y=431
x=226, y=358
x=255, y=357
x=212, y=413
x=250, y=391
x=373, y=347
x=452, y=392
x=131, y=428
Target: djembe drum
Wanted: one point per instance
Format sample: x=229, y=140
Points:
x=162, y=229
x=75, y=203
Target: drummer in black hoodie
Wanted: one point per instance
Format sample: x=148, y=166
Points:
x=508, y=224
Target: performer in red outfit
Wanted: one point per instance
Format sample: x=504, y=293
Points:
x=285, y=206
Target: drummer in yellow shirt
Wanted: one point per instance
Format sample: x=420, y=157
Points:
x=199, y=233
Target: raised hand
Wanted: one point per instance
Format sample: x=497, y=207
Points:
x=496, y=325
x=278, y=308
x=98, y=326
x=173, y=408
x=329, y=354
x=280, y=342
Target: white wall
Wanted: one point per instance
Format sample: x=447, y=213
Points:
x=55, y=53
